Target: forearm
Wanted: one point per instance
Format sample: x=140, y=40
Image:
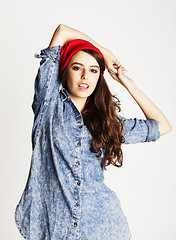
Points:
x=150, y=110
x=63, y=34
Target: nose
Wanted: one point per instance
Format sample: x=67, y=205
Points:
x=84, y=75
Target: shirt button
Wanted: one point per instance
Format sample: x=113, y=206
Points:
x=80, y=126
x=75, y=224
x=79, y=143
x=77, y=162
x=77, y=204
x=78, y=183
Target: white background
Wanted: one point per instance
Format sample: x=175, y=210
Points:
x=142, y=35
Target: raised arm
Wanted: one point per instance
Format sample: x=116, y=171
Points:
x=63, y=34
x=150, y=110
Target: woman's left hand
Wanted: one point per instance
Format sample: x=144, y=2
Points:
x=120, y=76
x=114, y=68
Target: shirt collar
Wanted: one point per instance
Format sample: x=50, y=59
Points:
x=64, y=92
x=60, y=87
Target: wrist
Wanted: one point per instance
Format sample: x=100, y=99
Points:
x=129, y=84
x=108, y=56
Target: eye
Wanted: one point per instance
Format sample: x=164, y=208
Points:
x=94, y=71
x=76, y=68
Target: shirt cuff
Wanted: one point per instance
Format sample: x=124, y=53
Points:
x=53, y=53
x=153, y=130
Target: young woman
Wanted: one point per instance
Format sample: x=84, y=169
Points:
x=77, y=132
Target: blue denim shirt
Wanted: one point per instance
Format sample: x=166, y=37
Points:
x=65, y=196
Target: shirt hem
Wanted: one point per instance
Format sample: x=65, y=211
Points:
x=18, y=226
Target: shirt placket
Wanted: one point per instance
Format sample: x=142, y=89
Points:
x=77, y=168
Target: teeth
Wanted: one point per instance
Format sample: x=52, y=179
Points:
x=83, y=85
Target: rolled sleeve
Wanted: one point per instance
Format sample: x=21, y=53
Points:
x=140, y=130
x=47, y=78
x=53, y=53
x=153, y=130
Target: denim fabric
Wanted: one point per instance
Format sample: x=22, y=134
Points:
x=65, y=197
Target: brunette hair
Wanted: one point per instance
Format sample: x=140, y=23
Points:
x=100, y=117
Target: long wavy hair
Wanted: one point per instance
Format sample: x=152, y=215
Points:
x=100, y=117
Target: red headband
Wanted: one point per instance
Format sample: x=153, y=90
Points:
x=72, y=47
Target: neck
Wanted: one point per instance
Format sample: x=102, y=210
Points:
x=79, y=102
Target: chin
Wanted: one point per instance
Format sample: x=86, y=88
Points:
x=84, y=94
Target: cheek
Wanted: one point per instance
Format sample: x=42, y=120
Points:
x=72, y=77
x=95, y=83
x=70, y=80
x=70, y=85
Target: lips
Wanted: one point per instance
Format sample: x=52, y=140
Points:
x=83, y=85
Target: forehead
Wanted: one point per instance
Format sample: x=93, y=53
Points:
x=83, y=57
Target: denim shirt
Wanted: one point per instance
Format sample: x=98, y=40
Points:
x=65, y=197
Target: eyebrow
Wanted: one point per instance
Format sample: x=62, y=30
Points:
x=83, y=65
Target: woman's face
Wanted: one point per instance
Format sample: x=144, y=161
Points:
x=83, y=72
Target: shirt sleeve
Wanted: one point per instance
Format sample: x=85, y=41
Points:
x=140, y=130
x=47, y=78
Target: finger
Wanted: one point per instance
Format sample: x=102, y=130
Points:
x=124, y=69
x=119, y=67
x=112, y=69
x=112, y=72
x=115, y=65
